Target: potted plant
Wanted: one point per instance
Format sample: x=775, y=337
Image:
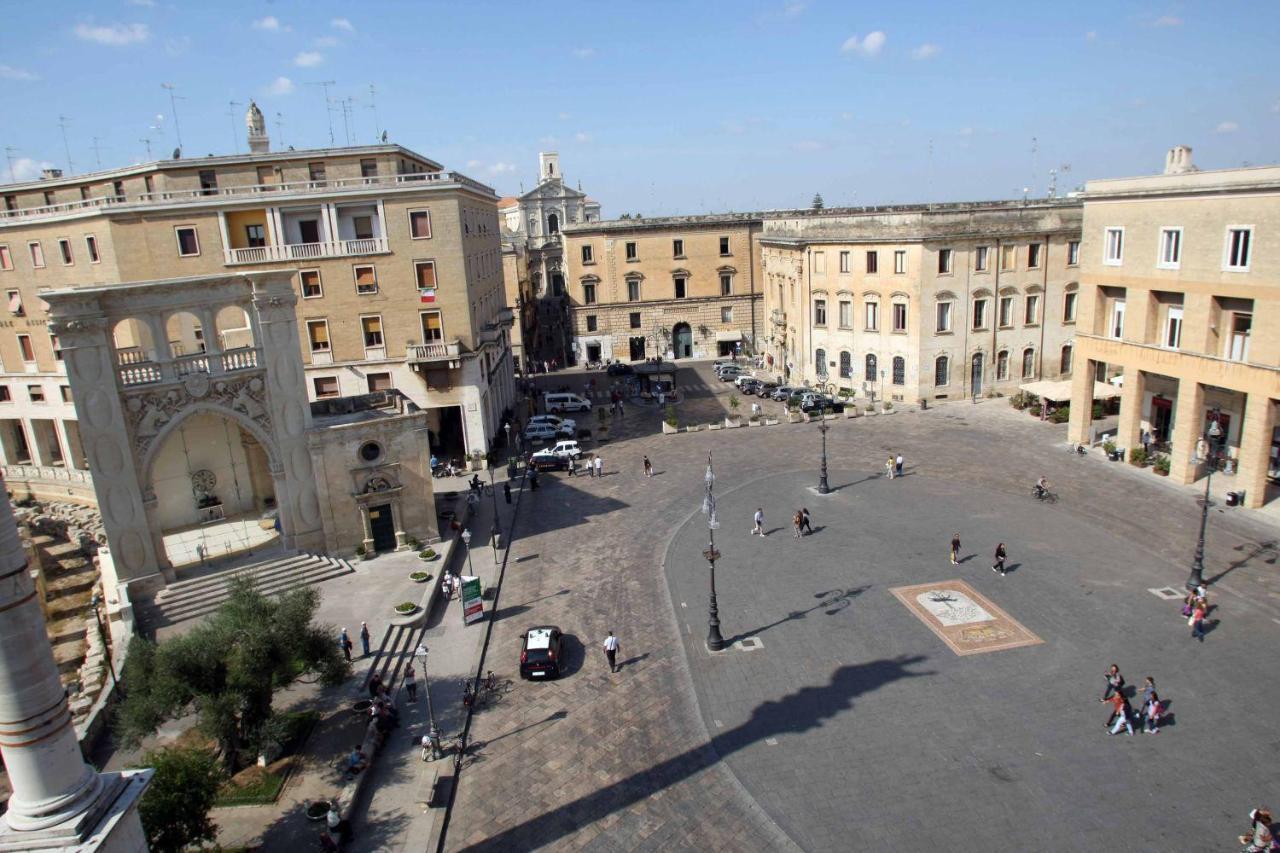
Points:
x=420, y=577
x=1138, y=457
x=886, y=406
x=412, y=543
x=1161, y=466
x=365, y=553
x=427, y=554
x=1109, y=448
x=477, y=461
x=793, y=413
x=670, y=424
x=734, y=403
x=404, y=608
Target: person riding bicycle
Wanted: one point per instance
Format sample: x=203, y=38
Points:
x=475, y=484
x=1042, y=487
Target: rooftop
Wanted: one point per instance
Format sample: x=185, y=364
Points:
x=1246, y=179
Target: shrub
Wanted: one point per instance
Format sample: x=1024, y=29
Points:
x=1108, y=447
x=1161, y=465
x=406, y=607
x=1138, y=457
x=734, y=402
x=671, y=416
x=1097, y=411
x=420, y=577
x=887, y=405
x=427, y=554
x=1060, y=415
x=175, y=808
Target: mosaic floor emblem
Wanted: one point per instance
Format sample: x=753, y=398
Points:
x=968, y=622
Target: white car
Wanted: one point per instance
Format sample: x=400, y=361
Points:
x=539, y=432
x=566, y=426
x=746, y=377
x=565, y=450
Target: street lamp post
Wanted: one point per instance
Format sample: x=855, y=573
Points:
x=102, y=635
x=823, y=488
x=715, y=642
x=1213, y=435
x=466, y=543
x=496, y=531
x=433, y=734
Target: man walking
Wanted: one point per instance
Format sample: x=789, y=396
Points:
x=759, y=522
x=897, y=466
x=806, y=527
x=599, y=463
x=648, y=467
x=364, y=637
x=344, y=641
x=998, y=565
x=611, y=651
x=506, y=491
x=411, y=683
x=955, y=549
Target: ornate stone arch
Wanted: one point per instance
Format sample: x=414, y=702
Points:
x=148, y=452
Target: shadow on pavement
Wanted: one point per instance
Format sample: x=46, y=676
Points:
x=834, y=600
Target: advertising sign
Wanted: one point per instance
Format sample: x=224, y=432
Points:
x=472, y=600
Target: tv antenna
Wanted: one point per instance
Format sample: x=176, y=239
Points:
x=373, y=105
x=328, y=105
x=235, y=134
x=346, y=104
x=1035, y=161
x=280, y=128
x=62, y=124
x=9, y=151
x=97, y=155
x=173, y=110
x=146, y=140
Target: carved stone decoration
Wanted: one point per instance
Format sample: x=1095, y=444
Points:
x=203, y=482
x=196, y=384
x=148, y=411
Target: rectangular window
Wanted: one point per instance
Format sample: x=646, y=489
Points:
x=1238, y=342
x=117, y=187
x=819, y=312
x=188, y=242
x=56, y=346
x=587, y=257
x=980, y=258
x=944, y=316
x=6, y=259
x=91, y=246
x=819, y=263
x=208, y=182
x=37, y=254
x=1073, y=253
x=681, y=281
x=316, y=172
x=363, y=226
x=379, y=381
x=1033, y=256
x=633, y=291
x=371, y=328
x=846, y=314
x=326, y=386
x=424, y=273
x=588, y=294
x=64, y=250
x=634, y=319
x=255, y=236
x=1114, y=247
x=899, y=317
x=632, y=252
x=1008, y=257
x=368, y=168
x=944, y=262
x=724, y=247
x=15, y=303
x=48, y=198
x=677, y=248
x=1170, y=249
x=726, y=314
x=1239, y=243
x=35, y=393
x=1006, y=312
x=366, y=279
x=5, y=395
x=420, y=224
x=726, y=284
x=979, y=313
x=872, y=317
x=1173, y=327
x=1117, y=319
x=1069, y=308
x=65, y=391
x=591, y=322
x=432, y=327
x=318, y=335
x=844, y=262
x=899, y=262
x=28, y=351
x=873, y=262
x=1031, y=315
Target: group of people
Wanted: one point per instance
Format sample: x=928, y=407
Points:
x=1122, y=716
x=1195, y=607
x=595, y=466
x=893, y=467
x=344, y=641
x=800, y=522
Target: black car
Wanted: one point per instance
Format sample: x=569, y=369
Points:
x=814, y=404
x=766, y=389
x=620, y=369
x=541, y=652
x=548, y=463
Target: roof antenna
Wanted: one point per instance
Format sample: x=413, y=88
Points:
x=231, y=114
x=280, y=128
x=97, y=155
x=9, y=151
x=328, y=106
x=173, y=109
x=62, y=123
x=373, y=105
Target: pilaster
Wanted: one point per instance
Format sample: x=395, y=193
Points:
x=1188, y=425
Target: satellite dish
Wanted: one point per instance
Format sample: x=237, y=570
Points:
x=177, y=153
x=384, y=136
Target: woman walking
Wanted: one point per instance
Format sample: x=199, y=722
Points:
x=805, y=526
x=1197, y=619
x=998, y=565
x=797, y=522
x=1121, y=713
x=955, y=549
x=888, y=467
x=1115, y=682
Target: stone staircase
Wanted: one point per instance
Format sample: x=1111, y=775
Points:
x=70, y=579
x=200, y=596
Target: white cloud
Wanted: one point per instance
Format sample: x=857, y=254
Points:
x=564, y=116
x=1226, y=127
x=966, y=131
x=1167, y=21
x=808, y=145
x=847, y=116
x=8, y=72
x=327, y=41
x=114, y=35
x=926, y=51
x=867, y=46
x=308, y=59
x=582, y=137
x=271, y=24
x=1092, y=35
x=177, y=45
x=26, y=169
x=584, y=52
x=501, y=168
x=548, y=140
x=280, y=86
x=342, y=24
x=146, y=3
x=472, y=164
x=794, y=8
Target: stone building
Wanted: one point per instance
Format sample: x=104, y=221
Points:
x=397, y=269
x=676, y=287
x=1179, y=305
x=939, y=302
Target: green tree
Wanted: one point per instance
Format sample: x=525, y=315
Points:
x=228, y=669
x=175, y=808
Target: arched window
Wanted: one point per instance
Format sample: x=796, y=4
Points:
x=1002, y=364
x=1028, y=363
x=1064, y=366
x=941, y=371
x=899, y=370
x=820, y=362
x=553, y=224
x=846, y=365
x=871, y=367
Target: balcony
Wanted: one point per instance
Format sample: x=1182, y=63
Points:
x=133, y=370
x=307, y=251
x=779, y=317
x=505, y=317
x=449, y=352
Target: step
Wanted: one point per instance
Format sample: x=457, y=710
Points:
x=262, y=577
x=304, y=573
x=220, y=578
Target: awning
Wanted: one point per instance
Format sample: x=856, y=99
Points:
x=735, y=335
x=1060, y=392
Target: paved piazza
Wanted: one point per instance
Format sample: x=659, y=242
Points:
x=847, y=715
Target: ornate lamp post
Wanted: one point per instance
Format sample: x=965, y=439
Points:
x=1213, y=436
x=823, y=488
x=715, y=642
x=496, y=531
x=433, y=734
x=466, y=543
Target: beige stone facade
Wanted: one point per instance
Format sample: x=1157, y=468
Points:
x=1180, y=306
x=682, y=287
x=936, y=302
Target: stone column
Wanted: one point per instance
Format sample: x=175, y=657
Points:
x=1129, y=431
x=397, y=521
x=1255, y=448
x=366, y=527
x=1080, y=422
x=1188, y=426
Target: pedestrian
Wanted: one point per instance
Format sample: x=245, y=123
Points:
x=364, y=638
x=345, y=643
x=611, y=651
x=897, y=466
x=888, y=467
x=506, y=491
x=573, y=466
x=1151, y=708
x=1259, y=839
x=805, y=524
x=1197, y=620
x=797, y=522
x=998, y=565
x=648, y=467
x=1146, y=441
x=1115, y=682
x=759, y=521
x=599, y=466
x=411, y=683
x=662, y=399
x=1120, y=713
x=955, y=549
x=375, y=686
x=546, y=366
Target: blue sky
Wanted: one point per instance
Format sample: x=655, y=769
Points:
x=662, y=108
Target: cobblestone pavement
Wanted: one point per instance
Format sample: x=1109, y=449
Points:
x=883, y=738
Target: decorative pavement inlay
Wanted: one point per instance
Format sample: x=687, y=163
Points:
x=968, y=622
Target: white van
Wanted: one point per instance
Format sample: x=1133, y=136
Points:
x=561, y=402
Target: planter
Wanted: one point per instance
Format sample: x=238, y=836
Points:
x=670, y=429
x=1160, y=472
x=731, y=423
x=794, y=418
x=754, y=422
x=420, y=577
x=368, y=555
x=406, y=608
x=318, y=810
x=427, y=554
x=476, y=465
x=771, y=421
x=714, y=426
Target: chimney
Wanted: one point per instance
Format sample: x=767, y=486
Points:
x=1178, y=161
x=50, y=174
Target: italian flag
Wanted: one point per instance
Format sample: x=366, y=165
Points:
x=428, y=294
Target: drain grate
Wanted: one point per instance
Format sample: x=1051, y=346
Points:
x=1168, y=593
x=749, y=643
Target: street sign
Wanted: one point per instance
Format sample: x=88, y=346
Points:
x=472, y=600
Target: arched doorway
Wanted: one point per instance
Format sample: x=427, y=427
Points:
x=975, y=375
x=553, y=224
x=682, y=341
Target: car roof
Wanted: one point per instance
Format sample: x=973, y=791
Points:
x=540, y=637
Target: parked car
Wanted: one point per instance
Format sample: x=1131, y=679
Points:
x=765, y=389
x=816, y=402
x=567, y=449
x=730, y=373
x=620, y=369
x=541, y=652
x=748, y=386
x=565, y=426
x=782, y=392
x=545, y=460
x=565, y=402
x=540, y=432
x=743, y=377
